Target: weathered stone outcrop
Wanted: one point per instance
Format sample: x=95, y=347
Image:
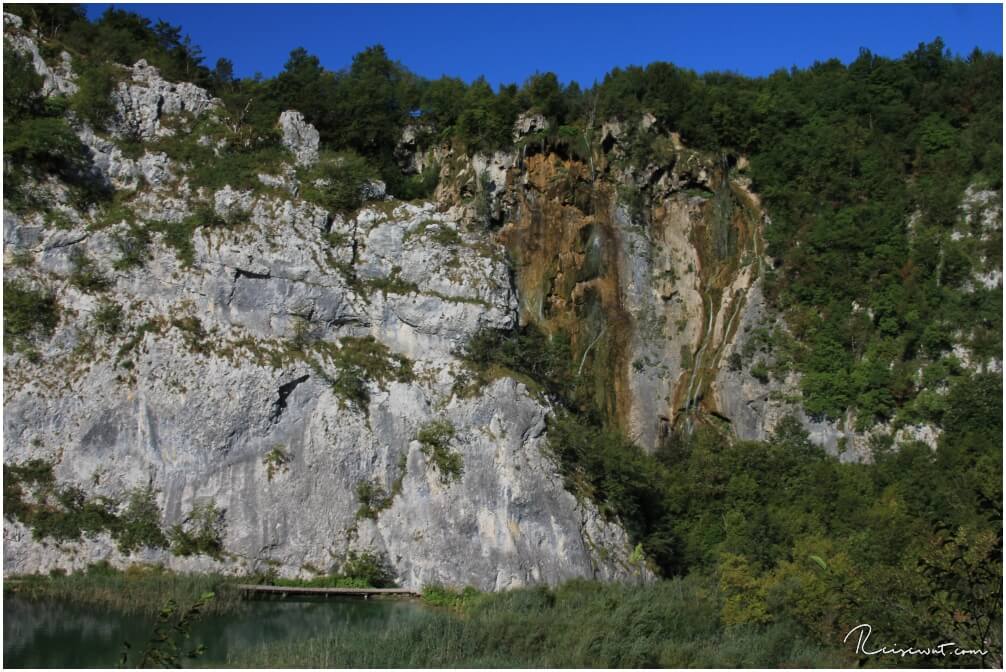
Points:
x=299, y=137
x=57, y=79
x=145, y=99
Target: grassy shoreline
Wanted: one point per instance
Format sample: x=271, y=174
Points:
x=673, y=623
x=140, y=589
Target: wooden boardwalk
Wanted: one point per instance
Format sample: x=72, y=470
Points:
x=350, y=592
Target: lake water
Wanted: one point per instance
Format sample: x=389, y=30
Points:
x=48, y=633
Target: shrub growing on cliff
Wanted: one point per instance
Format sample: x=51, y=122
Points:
x=27, y=314
x=53, y=511
x=201, y=533
x=337, y=181
x=357, y=569
x=43, y=145
x=139, y=524
x=420, y=185
x=134, y=247
x=625, y=483
x=93, y=101
x=362, y=359
x=85, y=276
x=108, y=318
x=435, y=438
x=37, y=140
x=545, y=360
x=372, y=499
x=22, y=86
x=178, y=235
x=17, y=478
x=275, y=461
x=367, y=566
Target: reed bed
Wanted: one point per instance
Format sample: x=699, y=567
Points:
x=580, y=624
x=140, y=589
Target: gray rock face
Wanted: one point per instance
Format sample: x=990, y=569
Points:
x=121, y=172
x=57, y=79
x=214, y=388
x=299, y=137
x=528, y=123
x=146, y=98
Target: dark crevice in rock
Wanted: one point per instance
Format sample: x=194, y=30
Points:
x=657, y=174
x=284, y=392
x=241, y=273
x=720, y=416
x=608, y=143
x=65, y=242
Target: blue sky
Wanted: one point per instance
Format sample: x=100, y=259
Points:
x=506, y=43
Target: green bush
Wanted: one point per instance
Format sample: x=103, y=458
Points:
x=27, y=313
x=134, y=247
x=85, y=276
x=43, y=145
x=336, y=182
x=372, y=499
x=62, y=512
x=33, y=474
x=201, y=533
x=528, y=351
x=108, y=317
x=96, y=82
x=451, y=598
x=52, y=511
x=22, y=259
x=327, y=581
x=239, y=167
x=22, y=86
x=151, y=326
x=178, y=236
x=435, y=438
x=275, y=460
x=218, y=154
x=421, y=185
x=392, y=283
x=38, y=142
x=358, y=569
x=362, y=359
x=624, y=482
x=139, y=525
x=369, y=567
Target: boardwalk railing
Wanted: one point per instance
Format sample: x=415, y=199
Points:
x=353, y=592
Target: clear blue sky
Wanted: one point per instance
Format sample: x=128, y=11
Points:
x=506, y=43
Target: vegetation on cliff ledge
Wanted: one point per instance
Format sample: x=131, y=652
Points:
x=843, y=156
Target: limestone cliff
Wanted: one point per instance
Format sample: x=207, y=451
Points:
x=653, y=262
x=282, y=368
x=295, y=366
